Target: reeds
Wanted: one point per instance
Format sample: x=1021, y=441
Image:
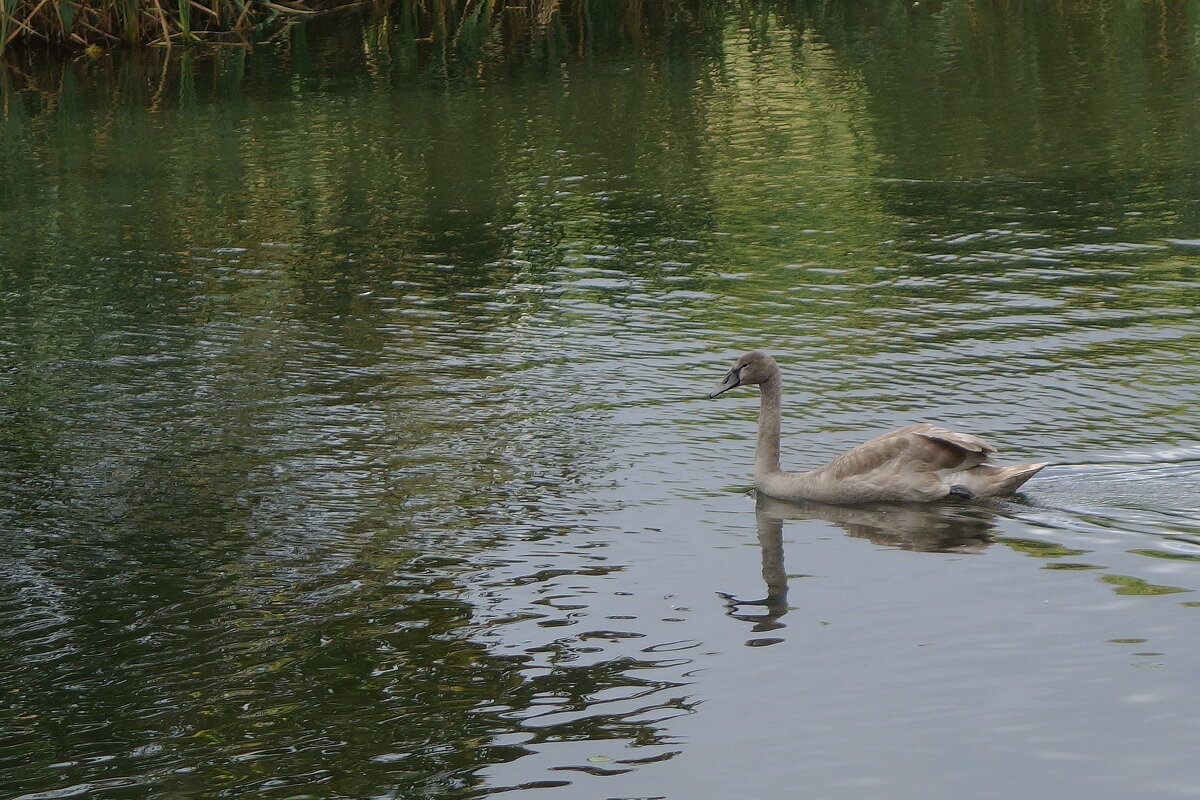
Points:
x=105, y=24
x=101, y=25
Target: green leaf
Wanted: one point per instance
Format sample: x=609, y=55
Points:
x=66, y=12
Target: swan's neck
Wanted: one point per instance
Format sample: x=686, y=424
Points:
x=766, y=454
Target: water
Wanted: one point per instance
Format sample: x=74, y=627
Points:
x=355, y=440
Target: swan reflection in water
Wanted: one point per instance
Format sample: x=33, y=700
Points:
x=936, y=528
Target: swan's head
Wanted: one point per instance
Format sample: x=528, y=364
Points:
x=754, y=367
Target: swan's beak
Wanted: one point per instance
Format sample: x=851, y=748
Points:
x=731, y=381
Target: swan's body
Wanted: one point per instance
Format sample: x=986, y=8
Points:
x=919, y=462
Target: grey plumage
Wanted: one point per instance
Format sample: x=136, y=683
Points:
x=919, y=462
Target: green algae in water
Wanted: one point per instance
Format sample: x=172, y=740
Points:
x=1071, y=565
x=1127, y=641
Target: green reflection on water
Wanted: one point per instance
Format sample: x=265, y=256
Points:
x=1040, y=549
x=1130, y=585
x=1170, y=556
x=293, y=339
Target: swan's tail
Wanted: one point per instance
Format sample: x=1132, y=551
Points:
x=989, y=481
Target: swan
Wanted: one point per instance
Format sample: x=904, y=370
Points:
x=919, y=462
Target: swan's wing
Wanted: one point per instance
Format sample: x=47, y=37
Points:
x=920, y=448
x=962, y=441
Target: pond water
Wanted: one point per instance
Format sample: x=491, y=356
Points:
x=355, y=441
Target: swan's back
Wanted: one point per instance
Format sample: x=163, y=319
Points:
x=921, y=447
x=917, y=462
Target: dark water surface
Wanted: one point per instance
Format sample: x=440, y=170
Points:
x=353, y=440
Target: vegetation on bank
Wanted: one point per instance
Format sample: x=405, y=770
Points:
x=476, y=37
x=101, y=25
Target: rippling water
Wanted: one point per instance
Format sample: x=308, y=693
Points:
x=355, y=440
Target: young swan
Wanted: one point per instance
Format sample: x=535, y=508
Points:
x=919, y=462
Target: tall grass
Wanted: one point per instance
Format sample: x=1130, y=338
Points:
x=107, y=24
